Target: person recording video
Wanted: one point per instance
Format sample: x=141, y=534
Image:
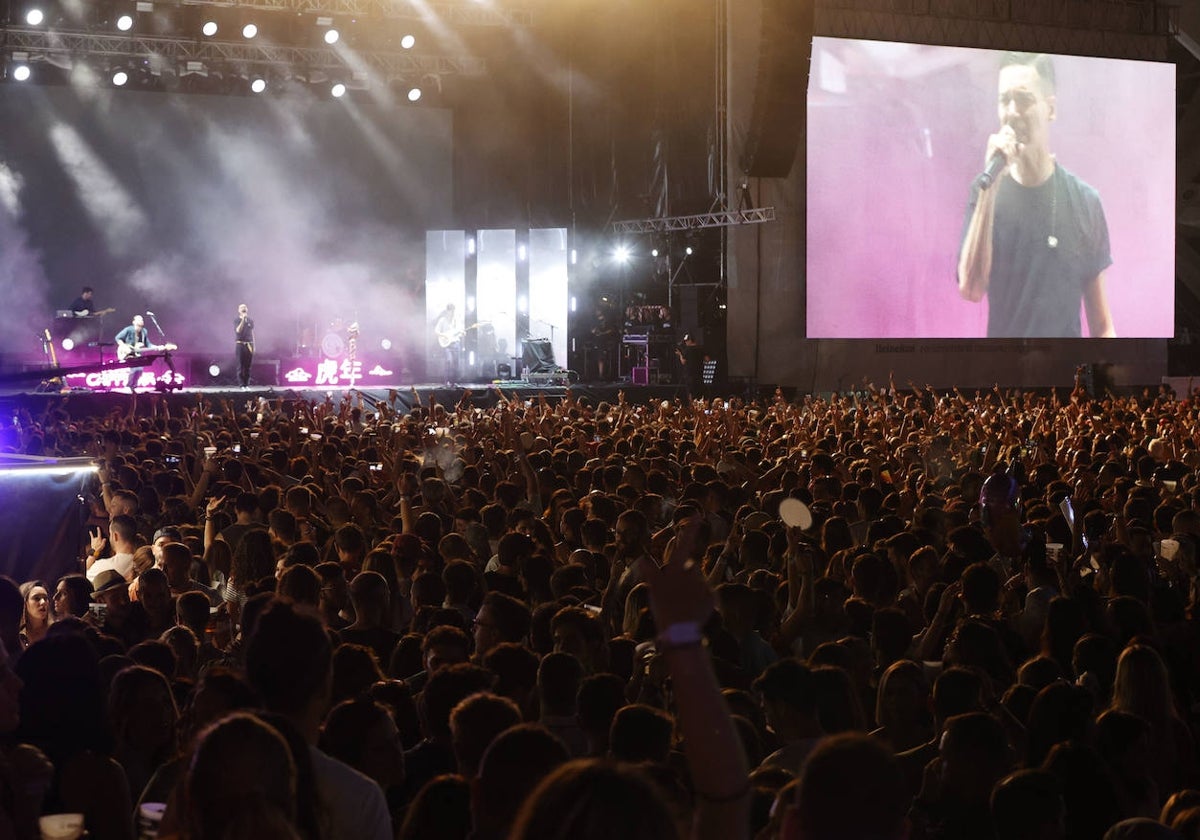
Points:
x=1035, y=240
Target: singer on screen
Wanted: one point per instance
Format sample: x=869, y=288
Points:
x=1035, y=239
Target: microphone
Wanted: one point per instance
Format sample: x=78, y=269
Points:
x=994, y=168
x=148, y=312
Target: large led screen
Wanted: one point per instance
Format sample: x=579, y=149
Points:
x=1075, y=237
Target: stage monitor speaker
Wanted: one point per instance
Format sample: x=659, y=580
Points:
x=538, y=355
x=779, y=116
x=263, y=372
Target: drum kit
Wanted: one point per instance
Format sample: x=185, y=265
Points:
x=339, y=340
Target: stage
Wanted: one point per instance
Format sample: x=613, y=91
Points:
x=401, y=398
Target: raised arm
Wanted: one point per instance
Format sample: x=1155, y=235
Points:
x=975, y=259
x=682, y=602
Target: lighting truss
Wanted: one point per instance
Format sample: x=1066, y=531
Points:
x=466, y=14
x=388, y=65
x=724, y=218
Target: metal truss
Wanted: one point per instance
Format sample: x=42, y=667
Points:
x=1135, y=29
x=725, y=218
x=465, y=14
x=389, y=65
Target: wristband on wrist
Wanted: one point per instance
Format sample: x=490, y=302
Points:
x=684, y=634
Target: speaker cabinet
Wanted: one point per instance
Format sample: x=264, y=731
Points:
x=779, y=117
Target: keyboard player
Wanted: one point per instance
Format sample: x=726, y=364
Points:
x=83, y=305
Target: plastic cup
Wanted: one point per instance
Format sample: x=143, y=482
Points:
x=150, y=816
x=1168, y=548
x=61, y=826
x=1053, y=550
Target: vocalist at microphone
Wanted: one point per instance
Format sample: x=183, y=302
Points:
x=1037, y=246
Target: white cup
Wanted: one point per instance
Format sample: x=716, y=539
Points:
x=1053, y=550
x=150, y=816
x=61, y=826
x=1168, y=548
x=1170, y=486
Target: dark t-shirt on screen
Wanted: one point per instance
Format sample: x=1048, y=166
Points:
x=1035, y=290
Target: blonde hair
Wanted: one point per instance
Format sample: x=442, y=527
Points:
x=1142, y=687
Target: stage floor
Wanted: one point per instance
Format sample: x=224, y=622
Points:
x=483, y=395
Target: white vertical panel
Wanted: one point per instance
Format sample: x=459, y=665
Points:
x=445, y=282
x=548, y=255
x=496, y=288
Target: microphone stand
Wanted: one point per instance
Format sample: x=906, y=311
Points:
x=154, y=321
x=166, y=353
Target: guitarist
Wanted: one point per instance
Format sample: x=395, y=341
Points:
x=243, y=330
x=133, y=341
x=448, y=336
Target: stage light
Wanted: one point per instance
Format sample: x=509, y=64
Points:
x=68, y=344
x=34, y=17
x=214, y=370
x=688, y=250
x=654, y=252
x=621, y=254
x=522, y=252
x=21, y=72
x=33, y=470
x=120, y=78
x=338, y=90
x=522, y=304
x=249, y=30
x=209, y=28
x=385, y=344
x=331, y=36
x=470, y=303
x=471, y=246
x=414, y=94
x=573, y=303
x=574, y=257
x=408, y=42
x=125, y=23
x=258, y=86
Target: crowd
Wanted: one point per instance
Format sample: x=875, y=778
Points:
x=556, y=619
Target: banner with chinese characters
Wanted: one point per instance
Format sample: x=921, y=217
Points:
x=316, y=373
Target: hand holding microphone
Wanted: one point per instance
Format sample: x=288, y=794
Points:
x=1003, y=147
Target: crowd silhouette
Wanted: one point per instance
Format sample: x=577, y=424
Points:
x=549, y=618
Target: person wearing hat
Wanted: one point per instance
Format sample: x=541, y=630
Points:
x=162, y=536
x=119, y=617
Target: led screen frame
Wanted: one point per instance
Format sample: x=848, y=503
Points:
x=896, y=135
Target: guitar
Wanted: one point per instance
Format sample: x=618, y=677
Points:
x=124, y=351
x=445, y=339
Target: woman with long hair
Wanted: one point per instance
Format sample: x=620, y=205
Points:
x=36, y=617
x=1142, y=687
